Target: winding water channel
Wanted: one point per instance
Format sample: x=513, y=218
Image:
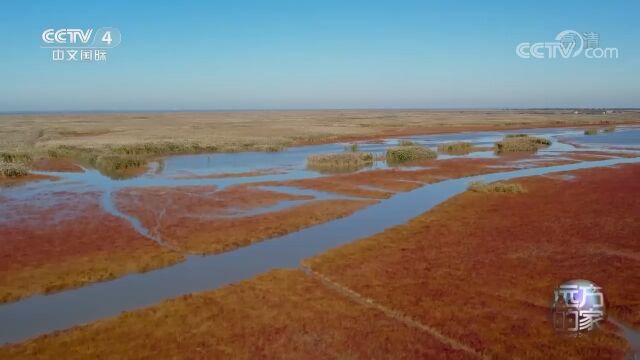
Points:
x=44, y=313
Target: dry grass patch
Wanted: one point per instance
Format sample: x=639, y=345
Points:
x=409, y=153
x=459, y=147
x=15, y=157
x=12, y=164
x=12, y=170
x=340, y=162
x=592, y=131
x=496, y=187
x=521, y=143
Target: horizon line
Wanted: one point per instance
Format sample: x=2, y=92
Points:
x=195, y=110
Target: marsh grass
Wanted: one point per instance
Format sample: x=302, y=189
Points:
x=496, y=187
x=609, y=129
x=508, y=136
x=592, y=131
x=15, y=157
x=340, y=162
x=409, y=153
x=521, y=143
x=13, y=164
x=12, y=169
x=539, y=140
x=352, y=147
x=154, y=149
x=459, y=147
x=407, y=143
x=85, y=156
x=113, y=162
x=190, y=147
x=117, y=161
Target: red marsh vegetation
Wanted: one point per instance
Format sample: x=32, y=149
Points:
x=44, y=249
x=54, y=165
x=200, y=219
x=482, y=266
x=21, y=180
x=283, y=313
x=380, y=184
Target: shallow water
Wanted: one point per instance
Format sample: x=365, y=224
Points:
x=44, y=313
x=290, y=161
x=41, y=314
x=620, y=137
x=289, y=164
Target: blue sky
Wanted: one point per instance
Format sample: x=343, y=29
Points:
x=182, y=55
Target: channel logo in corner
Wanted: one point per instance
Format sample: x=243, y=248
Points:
x=80, y=45
x=578, y=307
x=568, y=44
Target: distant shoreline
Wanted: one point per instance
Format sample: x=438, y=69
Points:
x=435, y=110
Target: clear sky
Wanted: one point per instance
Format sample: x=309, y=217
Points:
x=238, y=54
